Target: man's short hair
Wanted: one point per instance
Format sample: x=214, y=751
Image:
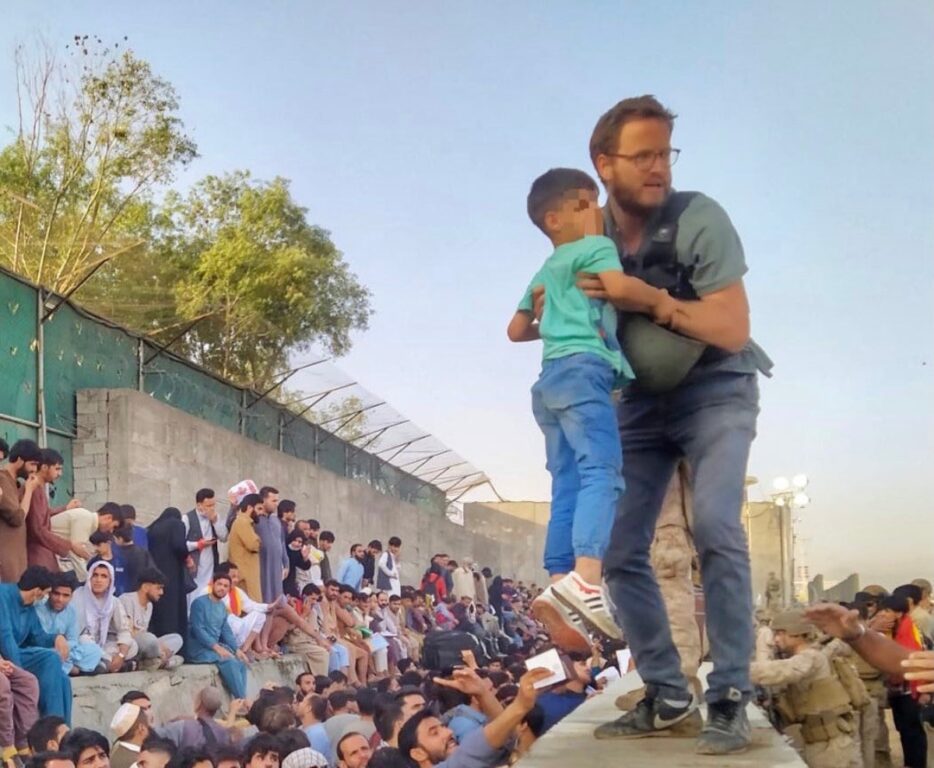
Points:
x=313, y=524
x=210, y=699
x=35, y=577
x=340, y=743
x=80, y=739
x=27, y=450
x=226, y=567
x=387, y=719
x=42, y=759
x=395, y=541
x=111, y=508
x=322, y=683
x=605, y=137
x=551, y=188
x=285, y=506
x=266, y=490
x=326, y=536
x=127, y=512
x=227, y=753
x=347, y=589
x=222, y=576
x=340, y=699
x=130, y=696
x=376, y=544
x=319, y=705
x=336, y=676
x=897, y=603
x=311, y=589
x=43, y=731
x=408, y=736
x=261, y=744
x=123, y=532
x=159, y=744
x=99, y=537
x=203, y=495
x=49, y=457
x=333, y=583
x=151, y=576
x=250, y=500
x=366, y=701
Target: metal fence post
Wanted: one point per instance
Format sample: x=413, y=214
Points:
x=40, y=368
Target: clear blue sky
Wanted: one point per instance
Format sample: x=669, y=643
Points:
x=412, y=131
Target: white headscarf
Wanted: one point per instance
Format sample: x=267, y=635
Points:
x=95, y=613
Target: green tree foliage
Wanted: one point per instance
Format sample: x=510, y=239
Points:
x=83, y=204
x=260, y=281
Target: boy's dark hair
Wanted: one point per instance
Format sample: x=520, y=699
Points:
x=366, y=701
x=387, y=718
x=131, y=696
x=395, y=541
x=80, y=739
x=49, y=457
x=27, y=450
x=549, y=190
x=35, y=577
x=261, y=744
x=605, y=137
x=911, y=591
x=326, y=536
x=340, y=699
x=159, y=744
x=43, y=731
x=225, y=753
x=127, y=512
x=99, y=537
x=376, y=544
x=204, y=494
x=388, y=757
x=322, y=683
x=285, y=506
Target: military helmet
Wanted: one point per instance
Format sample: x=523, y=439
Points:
x=793, y=622
x=875, y=590
x=660, y=358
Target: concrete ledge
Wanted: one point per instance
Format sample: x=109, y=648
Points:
x=172, y=693
x=571, y=742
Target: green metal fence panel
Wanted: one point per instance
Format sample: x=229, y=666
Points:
x=18, y=374
x=185, y=387
x=82, y=353
x=261, y=423
x=65, y=487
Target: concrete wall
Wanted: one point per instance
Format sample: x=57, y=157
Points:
x=538, y=512
x=134, y=449
x=96, y=699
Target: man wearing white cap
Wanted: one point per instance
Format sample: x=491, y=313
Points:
x=130, y=727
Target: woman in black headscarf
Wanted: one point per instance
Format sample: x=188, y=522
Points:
x=496, y=597
x=169, y=551
x=298, y=560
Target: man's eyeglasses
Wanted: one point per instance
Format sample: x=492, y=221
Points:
x=645, y=160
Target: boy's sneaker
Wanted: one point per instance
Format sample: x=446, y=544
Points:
x=727, y=729
x=562, y=623
x=654, y=717
x=589, y=601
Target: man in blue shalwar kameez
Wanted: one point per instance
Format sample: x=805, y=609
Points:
x=24, y=642
x=211, y=640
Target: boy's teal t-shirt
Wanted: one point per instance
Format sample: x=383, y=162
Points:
x=572, y=323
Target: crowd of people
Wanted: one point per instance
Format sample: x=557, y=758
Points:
x=397, y=673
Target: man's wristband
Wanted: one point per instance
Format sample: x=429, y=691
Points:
x=858, y=635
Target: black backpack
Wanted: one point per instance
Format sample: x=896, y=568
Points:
x=443, y=649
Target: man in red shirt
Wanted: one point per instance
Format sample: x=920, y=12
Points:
x=42, y=545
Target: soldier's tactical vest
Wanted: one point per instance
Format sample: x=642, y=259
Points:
x=849, y=678
x=822, y=709
x=871, y=677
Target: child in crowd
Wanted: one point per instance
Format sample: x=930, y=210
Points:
x=572, y=399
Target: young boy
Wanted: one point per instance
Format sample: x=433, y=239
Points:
x=572, y=399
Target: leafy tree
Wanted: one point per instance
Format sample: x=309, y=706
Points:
x=260, y=281
x=97, y=135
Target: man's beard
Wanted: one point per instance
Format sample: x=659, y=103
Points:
x=628, y=204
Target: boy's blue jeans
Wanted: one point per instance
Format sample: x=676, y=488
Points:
x=573, y=405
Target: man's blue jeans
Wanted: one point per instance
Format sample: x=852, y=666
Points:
x=572, y=403
x=710, y=419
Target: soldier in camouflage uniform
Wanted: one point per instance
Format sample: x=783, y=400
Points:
x=813, y=702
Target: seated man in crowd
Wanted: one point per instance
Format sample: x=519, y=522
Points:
x=58, y=617
x=87, y=748
x=102, y=617
x=302, y=632
x=19, y=692
x=46, y=734
x=211, y=641
x=154, y=652
x=413, y=640
x=28, y=646
x=313, y=612
x=357, y=657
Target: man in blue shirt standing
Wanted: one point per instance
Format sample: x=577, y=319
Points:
x=351, y=570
